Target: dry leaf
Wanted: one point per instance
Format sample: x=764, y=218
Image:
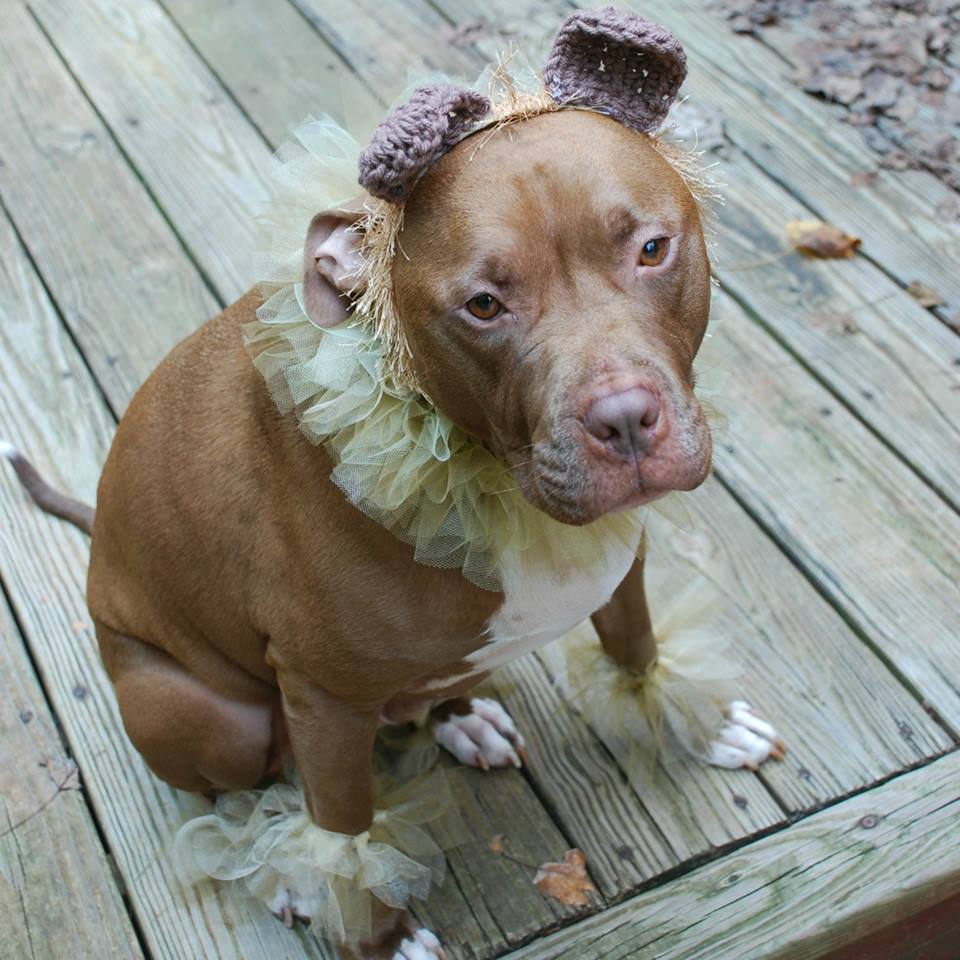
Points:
x=818, y=239
x=568, y=881
x=927, y=296
x=496, y=844
x=864, y=178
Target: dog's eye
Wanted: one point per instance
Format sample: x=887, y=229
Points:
x=484, y=306
x=653, y=251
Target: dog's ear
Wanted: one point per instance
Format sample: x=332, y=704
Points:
x=414, y=135
x=333, y=268
x=618, y=64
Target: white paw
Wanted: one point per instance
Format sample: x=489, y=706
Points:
x=288, y=905
x=744, y=740
x=486, y=737
x=422, y=946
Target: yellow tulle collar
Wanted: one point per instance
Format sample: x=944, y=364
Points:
x=404, y=463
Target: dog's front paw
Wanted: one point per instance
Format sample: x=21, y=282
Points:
x=484, y=737
x=423, y=945
x=744, y=740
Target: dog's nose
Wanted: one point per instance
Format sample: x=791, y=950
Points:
x=624, y=422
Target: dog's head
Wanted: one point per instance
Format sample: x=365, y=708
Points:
x=553, y=285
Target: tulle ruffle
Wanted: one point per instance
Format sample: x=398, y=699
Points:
x=408, y=466
x=266, y=842
x=680, y=698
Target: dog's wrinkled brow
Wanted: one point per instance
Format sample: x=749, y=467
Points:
x=620, y=224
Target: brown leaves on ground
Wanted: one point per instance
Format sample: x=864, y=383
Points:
x=926, y=296
x=818, y=239
x=567, y=881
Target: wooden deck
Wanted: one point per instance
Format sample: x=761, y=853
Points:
x=134, y=136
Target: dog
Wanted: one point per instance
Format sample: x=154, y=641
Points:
x=553, y=290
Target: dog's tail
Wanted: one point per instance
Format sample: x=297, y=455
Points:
x=45, y=497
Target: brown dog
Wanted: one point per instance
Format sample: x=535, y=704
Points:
x=554, y=290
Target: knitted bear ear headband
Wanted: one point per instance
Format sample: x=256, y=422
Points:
x=615, y=63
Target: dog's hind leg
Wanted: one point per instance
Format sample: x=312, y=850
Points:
x=190, y=735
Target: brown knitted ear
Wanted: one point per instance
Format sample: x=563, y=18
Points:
x=616, y=63
x=414, y=135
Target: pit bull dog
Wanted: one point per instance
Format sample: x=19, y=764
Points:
x=554, y=289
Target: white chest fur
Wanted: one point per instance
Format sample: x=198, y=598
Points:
x=541, y=605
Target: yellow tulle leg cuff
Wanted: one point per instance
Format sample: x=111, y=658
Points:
x=265, y=842
x=679, y=700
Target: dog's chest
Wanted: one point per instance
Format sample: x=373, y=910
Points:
x=541, y=605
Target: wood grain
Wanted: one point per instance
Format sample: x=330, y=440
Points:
x=199, y=155
x=275, y=65
x=57, y=892
x=95, y=235
x=870, y=342
x=796, y=895
x=388, y=46
x=881, y=544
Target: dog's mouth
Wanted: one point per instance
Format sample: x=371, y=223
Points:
x=571, y=482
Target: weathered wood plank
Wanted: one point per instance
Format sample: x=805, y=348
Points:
x=586, y=790
x=57, y=893
x=200, y=157
x=494, y=892
x=85, y=218
x=51, y=408
x=872, y=860
x=871, y=343
x=848, y=723
x=881, y=544
x=385, y=46
x=268, y=55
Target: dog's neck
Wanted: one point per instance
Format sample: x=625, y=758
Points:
x=405, y=464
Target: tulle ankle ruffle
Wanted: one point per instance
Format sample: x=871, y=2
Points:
x=265, y=842
x=679, y=699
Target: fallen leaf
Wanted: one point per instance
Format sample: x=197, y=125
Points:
x=496, y=844
x=864, y=178
x=926, y=296
x=949, y=209
x=818, y=239
x=465, y=33
x=568, y=881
